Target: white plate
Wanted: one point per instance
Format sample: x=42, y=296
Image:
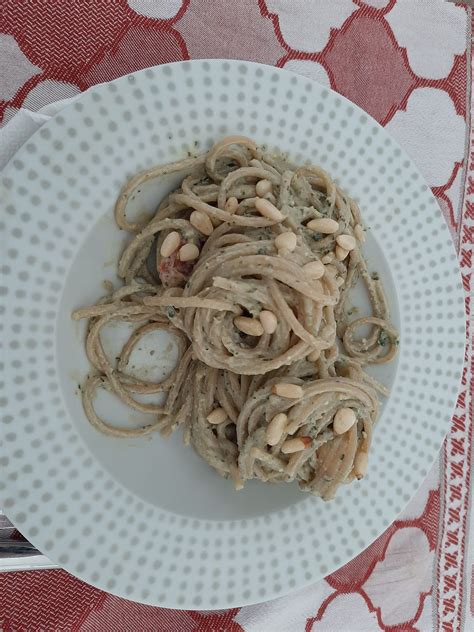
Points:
x=147, y=519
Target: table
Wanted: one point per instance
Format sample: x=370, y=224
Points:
x=408, y=64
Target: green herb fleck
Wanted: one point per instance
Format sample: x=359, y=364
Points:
x=383, y=339
x=375, y=276
x=170, y=311
x=262, y=251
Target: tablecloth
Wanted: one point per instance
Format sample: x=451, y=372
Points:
x=408, y=63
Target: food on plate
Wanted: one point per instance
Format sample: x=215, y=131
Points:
x=249, y=263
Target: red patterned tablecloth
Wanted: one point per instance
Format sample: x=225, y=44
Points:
x=407, y=63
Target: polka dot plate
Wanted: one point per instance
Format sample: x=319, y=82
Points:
x=146, y=519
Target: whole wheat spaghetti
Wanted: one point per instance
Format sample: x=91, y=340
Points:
x=249, y=264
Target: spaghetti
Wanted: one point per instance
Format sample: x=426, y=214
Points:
x=249, y=264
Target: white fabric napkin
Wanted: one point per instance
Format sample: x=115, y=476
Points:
x=25, y=122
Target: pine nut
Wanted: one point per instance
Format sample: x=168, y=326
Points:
x=188, y=252
x=339, y=281
x=250, y=326
x=361, y=463
x=347, y=242
x=290, y=391
x=329, y=258
x=359, y=233
x=170, y=244
x=268, y=210
x=286, y=241
x=292, y=427
x=201, y=222
x=341, y=253
x=314, y=269
x=269, y=321
x=231, y=205
x=314, y=355
x=217, y=416
x=263, y=187
x=324, y=225
x=275, y=428
x=344, y=419
x=296, y=445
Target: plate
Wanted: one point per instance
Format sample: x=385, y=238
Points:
x=146, y=519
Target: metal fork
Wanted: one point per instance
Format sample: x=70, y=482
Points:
x=13, y=548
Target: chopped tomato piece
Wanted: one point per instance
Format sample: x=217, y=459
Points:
x=173, y=272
